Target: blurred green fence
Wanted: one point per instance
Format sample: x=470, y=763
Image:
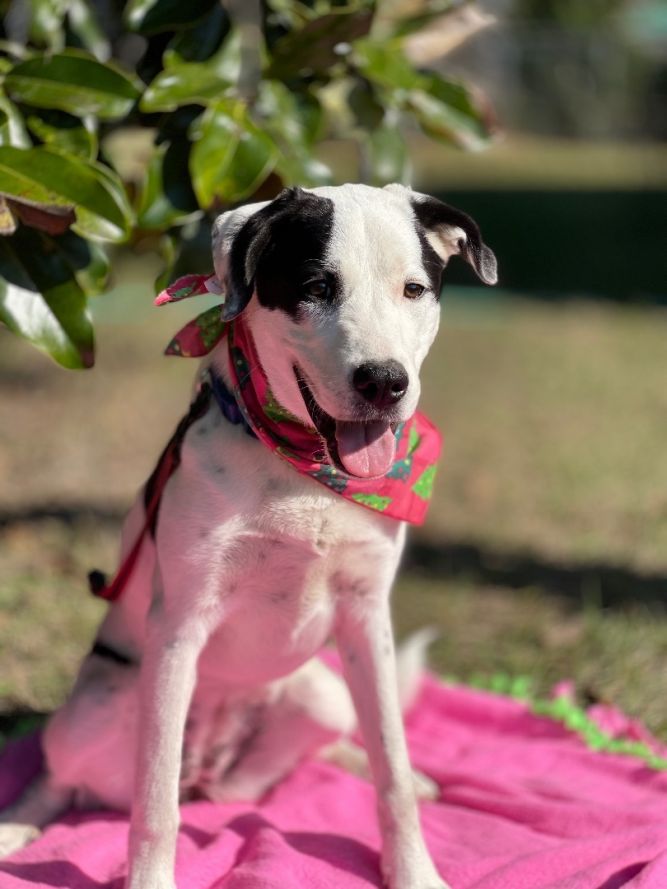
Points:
x=556, y=243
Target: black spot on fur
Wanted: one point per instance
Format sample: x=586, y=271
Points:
x=280, y=249
x=108, y=652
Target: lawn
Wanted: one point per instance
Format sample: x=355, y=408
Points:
x=546, y=550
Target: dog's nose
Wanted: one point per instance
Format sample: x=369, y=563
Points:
x=381, y=383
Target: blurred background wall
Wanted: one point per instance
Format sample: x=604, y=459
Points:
x=580, y=91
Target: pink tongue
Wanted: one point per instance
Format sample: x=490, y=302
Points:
x=366, y=450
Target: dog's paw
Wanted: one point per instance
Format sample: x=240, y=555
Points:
x=15, y=836
x=134, y=882
x=425, y=788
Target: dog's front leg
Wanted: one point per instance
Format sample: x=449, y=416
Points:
x=168, y=672
x=365, y=641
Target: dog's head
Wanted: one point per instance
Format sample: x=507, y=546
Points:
x=340, y=289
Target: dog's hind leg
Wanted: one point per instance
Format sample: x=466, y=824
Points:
x=40, y=803
x=312, y=710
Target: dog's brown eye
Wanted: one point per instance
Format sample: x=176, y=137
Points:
x=412, y=290
x=317, y=289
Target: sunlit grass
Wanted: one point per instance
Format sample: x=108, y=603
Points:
x=555, y=420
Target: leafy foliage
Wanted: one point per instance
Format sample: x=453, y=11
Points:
x=236, y=107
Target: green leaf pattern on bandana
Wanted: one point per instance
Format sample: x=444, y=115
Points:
x=275, y=410
x=423, y=487
x=413, y=439
x=241, y=365
x=401, y=469
x=330, y=476
x=210, y=326
x=375, y=501
x=183, y=292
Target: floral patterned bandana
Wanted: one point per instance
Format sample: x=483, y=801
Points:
x=403, y=493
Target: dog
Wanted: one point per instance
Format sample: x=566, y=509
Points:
x=203, y=679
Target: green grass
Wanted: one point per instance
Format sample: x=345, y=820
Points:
x=555, y=419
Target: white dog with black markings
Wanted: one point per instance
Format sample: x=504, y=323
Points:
x=203, y=678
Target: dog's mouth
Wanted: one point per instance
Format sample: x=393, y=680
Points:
x=364, y=449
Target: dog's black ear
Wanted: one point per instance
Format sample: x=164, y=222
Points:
x=450, y=231
x=239, y=237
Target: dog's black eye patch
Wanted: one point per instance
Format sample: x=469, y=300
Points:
x=292, y=261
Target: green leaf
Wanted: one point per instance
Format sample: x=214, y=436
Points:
x=114, y=187
x=231, y=156
x=292, y=117
x=387, y=155
x=197, y=44
x=187, y=83
x=444, y=108
x=320, y=43
x=154, y=16
x=73, y=81
x=300, y=168
x=12, y=125
x=441, y=121
x=194, y=83
x=364, y=104
x=167, y=197
x=450, y=112
x=64, y=132
x=87, y=260
x=293, y=120
x=46, y=23
x=84, y=24
x=41, y=300
x=416, y=20
x=42, y=177
x=385, y=64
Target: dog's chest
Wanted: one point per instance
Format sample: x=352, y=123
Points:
x=277, y=607
x=274, y=546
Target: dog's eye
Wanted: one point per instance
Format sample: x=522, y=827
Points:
x=412, y=290
x=318, y=289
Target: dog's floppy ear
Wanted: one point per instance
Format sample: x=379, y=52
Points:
x=450, y=231
x=239, y=237
x=226, y=230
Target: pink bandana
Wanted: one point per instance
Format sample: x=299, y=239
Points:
x=403, y=493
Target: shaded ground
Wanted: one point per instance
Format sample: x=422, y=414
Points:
x=545, y=553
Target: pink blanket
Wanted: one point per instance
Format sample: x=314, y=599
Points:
x=525, y=805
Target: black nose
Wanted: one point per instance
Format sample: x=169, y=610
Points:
x=381, y=383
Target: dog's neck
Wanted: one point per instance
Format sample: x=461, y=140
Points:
x=219, y=361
